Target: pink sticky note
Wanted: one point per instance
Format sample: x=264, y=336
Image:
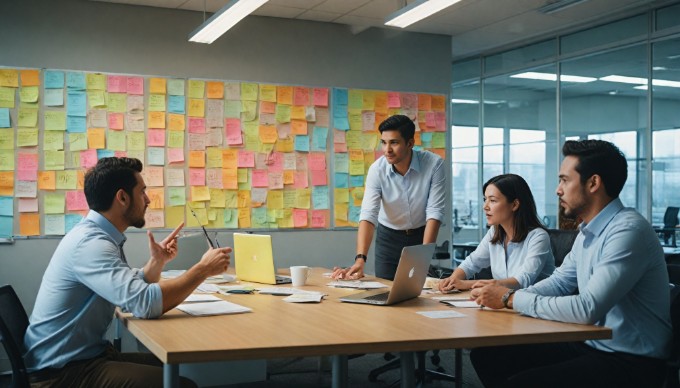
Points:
x=275, y=180
x=318, y=219
x=320, y=96
x=317, y=161
x=88, y=158
x=260, y=178
x=196, y=177
x=393, y=100
x=339, y=137
x=319, y=178
x=75, y=200
x=27, y=175
x=283, y=130
x=120, y=154
x=135, y=85
x=117, y=84
x=409, y=100
x=300, y=96
x=27, y=162
x=246, y=159
x=440, y=121
x=300, y=218
x=340, y=147
x=116, y=121
x=156, y=138
x=175, y=155
x=196, y=125
x=28, y=205
x=301, y=181
x=429, y=119
x=233, y=131
x=274, y=162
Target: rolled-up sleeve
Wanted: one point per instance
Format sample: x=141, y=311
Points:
x=436, y=201
x=479, y=259
x=97, y=264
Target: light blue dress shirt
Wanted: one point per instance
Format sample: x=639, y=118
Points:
x=86, y=278
x=408, y=201
x=527, y=261
x=618, y=266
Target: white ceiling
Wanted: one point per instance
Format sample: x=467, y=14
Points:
x=474, y=25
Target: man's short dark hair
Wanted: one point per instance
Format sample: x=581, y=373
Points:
x=602, y=158
x=103, y=181
x=400, y=123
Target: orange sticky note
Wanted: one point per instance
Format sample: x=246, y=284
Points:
x=30, y=77
x=96, y=138
x=176, y=122
x=288, y=177
x=268, y=134
x=284, y=95
x=298, y=127
x=215, y=89
x=417, y=139
x=157, y=120
x=267, y=107
x=297, y=112
x=438, y=103
x=7, y=183
x=156, y=197
x=196, y=158
x=229, y=158
x=157, y=85
x=29, y=224
x=47, y=180
x=230, y=178
x=80, y=180
x=244, y=217
x=380, y=103
x=424, y=102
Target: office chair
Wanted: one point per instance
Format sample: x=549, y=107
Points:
x=670, y=221
x=441, y=252
x=561, y=241
x=673, y=362
x=13, y=325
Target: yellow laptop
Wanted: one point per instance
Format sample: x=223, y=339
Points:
x=254, y=259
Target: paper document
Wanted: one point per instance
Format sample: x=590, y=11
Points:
x=284, y=291
x=462, y=304
x=359, y=284
x=207, y=288
x=213, y=308
x=438, y=314
x=225, y=278
x=307, y=297
x=451, y=298
x=201, y=298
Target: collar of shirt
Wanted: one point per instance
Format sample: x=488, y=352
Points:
x=106, y=225
x=601, y=220
x=415, y=164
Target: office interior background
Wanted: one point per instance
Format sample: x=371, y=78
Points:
x=520, y=82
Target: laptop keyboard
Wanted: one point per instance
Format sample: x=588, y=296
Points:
x=378, y=297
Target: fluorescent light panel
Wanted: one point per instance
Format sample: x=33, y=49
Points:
x=224, y=19
x=640, y=81
x=417, y=11
x=553, y=77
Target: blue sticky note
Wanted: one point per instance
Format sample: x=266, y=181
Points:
x=320, y=198
x=155, y=156
x=70, y=221
x=418, y=148
x=54, y=79
x=75, y=124
x=340, y=111
x=320, y=138
x=302, y=143
x=75, y=81
x=6, y=206
x=340, y=96
x=6, y=224
x=54, y=97
x=426, y=137
x=354, y=213
x=356, y=181
x=341, y=123
x=341, y=180
x=105, y=154
x=4, y=117
x=341, y=162
x=176, y=104
x=76, y=104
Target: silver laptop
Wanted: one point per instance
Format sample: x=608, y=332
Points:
x=408, y=281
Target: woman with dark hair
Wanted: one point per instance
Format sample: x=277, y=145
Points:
x=517, y=247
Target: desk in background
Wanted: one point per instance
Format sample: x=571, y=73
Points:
x=276, y=329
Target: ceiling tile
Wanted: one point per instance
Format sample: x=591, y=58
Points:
x=278, y=11
x=340, y=6
x=319, y=16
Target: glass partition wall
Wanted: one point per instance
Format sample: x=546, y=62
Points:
x=512, y=111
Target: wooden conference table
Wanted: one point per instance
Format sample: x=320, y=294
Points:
x=276, y=329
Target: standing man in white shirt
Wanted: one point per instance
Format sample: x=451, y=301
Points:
x=614, y=276
x=404, y=200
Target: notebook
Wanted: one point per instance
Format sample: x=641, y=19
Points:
x=255, y=260
x=408, y=281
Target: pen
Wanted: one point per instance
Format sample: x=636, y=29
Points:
x=204, y=231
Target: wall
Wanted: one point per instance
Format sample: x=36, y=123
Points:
x=93, y=36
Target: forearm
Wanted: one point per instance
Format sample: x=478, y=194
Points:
x=364, y=237
x=177, y=289
x=431, y=231
x=509, y=283
x=152, y=270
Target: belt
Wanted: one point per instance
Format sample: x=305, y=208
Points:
x=407, y=232
x=43, y=374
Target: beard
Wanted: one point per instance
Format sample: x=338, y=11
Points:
x=574, y=211
x=133, y=219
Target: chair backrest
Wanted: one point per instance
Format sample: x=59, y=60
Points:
x=561, y=241
x=13, y=325
x=670, y=217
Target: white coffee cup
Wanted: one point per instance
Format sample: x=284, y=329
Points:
x=299, y=274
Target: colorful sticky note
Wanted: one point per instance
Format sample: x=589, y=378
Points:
x=29, y=224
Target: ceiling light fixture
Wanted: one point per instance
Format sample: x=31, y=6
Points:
x=640, y=81
x=558, y=5
x=417, y=11
x=553, y=77
x=224, y=19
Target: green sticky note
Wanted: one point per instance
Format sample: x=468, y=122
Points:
x=66, y=180
x=196, y=88
x=282, y=113
x=116, y=140
x=96, y=81
x=231, y=218
x=27, y=137
x=136, y=141
x=6, y=97
x=157, y=102
x=438, y=140
x=28, y=117
x=248, y=91
x=175, y=87
x=356, y=99
x=54, y=97
x=55, y=120
x=77, y=141
x=29, y=94
x=249, y=110
x=116, y=102
x=232, y=109
x=53, y=140
x=175, y=139
x=6, y=139
x=176, y=196
x=55, y=203
x=54, y=160
x=6, y=160
x=96, y=98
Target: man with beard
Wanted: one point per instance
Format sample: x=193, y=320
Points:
x=614, y=276
x=88, y=276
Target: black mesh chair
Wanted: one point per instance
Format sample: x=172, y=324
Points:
x=13, y=325
x=670, y=223
x=561, y=241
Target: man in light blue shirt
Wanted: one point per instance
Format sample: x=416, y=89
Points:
x=616, y=264
x=404, y=197
x=88, y=276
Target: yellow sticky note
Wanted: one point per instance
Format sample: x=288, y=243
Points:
x=268, y=134
x=174, y=215
x=55, y=120
x=29, y=94
x=30, y=77
x=96, y=138
x=136, y=141
x=116, y=141
x=303, y=199
x=66, y=180
x=6, y=139
x=248, y=91
x=55, y=203
x=218, y=198
x=77, y=141
x=356, y=167
x=200, y=193
x=28, y=117
x=196, y=158
x=157, y=102
x=53, y=140
x=96, y=98
x=95, y=81
x=6, y=160
x=298, y=112
x=341, y=210
x=285, y=145
x=29, y=224
x=27, y=137
x=341, y=196
x=54, y=160
x=9, y=78
x=7, y=97
x=157, y=85
x=116, y=102
x=214, y=157
x=268, y=93
x=157, y=120
x=196, y=88
x=275, y=199
x=196, y=107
